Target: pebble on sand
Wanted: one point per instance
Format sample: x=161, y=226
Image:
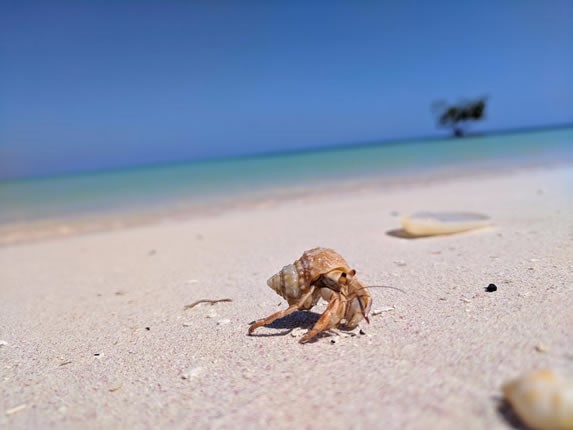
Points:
x=491, y=288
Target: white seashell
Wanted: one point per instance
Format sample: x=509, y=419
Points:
x=436, y=223
x=542, y=399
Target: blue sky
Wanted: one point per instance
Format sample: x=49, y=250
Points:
x=103, y=84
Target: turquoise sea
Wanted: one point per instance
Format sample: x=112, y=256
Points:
x=182, y=187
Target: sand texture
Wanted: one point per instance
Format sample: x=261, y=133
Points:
x=94, y=334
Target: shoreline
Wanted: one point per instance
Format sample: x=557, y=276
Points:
x=17, y=233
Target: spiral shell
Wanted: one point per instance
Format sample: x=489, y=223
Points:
x=542, y=399
x=294, y=280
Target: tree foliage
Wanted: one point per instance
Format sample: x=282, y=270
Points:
x=457, y=116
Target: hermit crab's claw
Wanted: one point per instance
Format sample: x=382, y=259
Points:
x=360, y=301
x=365, y=300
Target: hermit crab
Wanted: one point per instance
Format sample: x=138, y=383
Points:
x=320, y=272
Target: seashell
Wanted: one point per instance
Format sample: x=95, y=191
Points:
x=295, y=279
x=542, y=399
x=437, y=223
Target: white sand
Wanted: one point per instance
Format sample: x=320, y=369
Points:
x=436, y=361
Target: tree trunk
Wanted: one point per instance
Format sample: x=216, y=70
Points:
x=458, y=132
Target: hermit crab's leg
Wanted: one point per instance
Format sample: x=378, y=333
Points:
x=280, y=314
x=357, y=308
x=330, y=318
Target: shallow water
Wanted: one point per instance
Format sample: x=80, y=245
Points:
x=182, y=187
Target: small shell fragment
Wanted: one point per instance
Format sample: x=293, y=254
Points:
x=382, y=310
x=542, y=399
x=437, y=223
x=192, y=372
x=15, y=410
x=297, y=332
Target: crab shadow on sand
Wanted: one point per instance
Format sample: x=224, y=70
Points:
x=298, y=319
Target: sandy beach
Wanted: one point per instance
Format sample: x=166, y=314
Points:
x=95, y=335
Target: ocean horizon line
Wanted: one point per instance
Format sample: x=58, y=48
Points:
x=348, y=146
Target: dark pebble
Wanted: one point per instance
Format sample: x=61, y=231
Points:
x=147, y=328
x=491, y=288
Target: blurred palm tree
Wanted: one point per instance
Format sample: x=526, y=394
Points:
x=457, y=116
